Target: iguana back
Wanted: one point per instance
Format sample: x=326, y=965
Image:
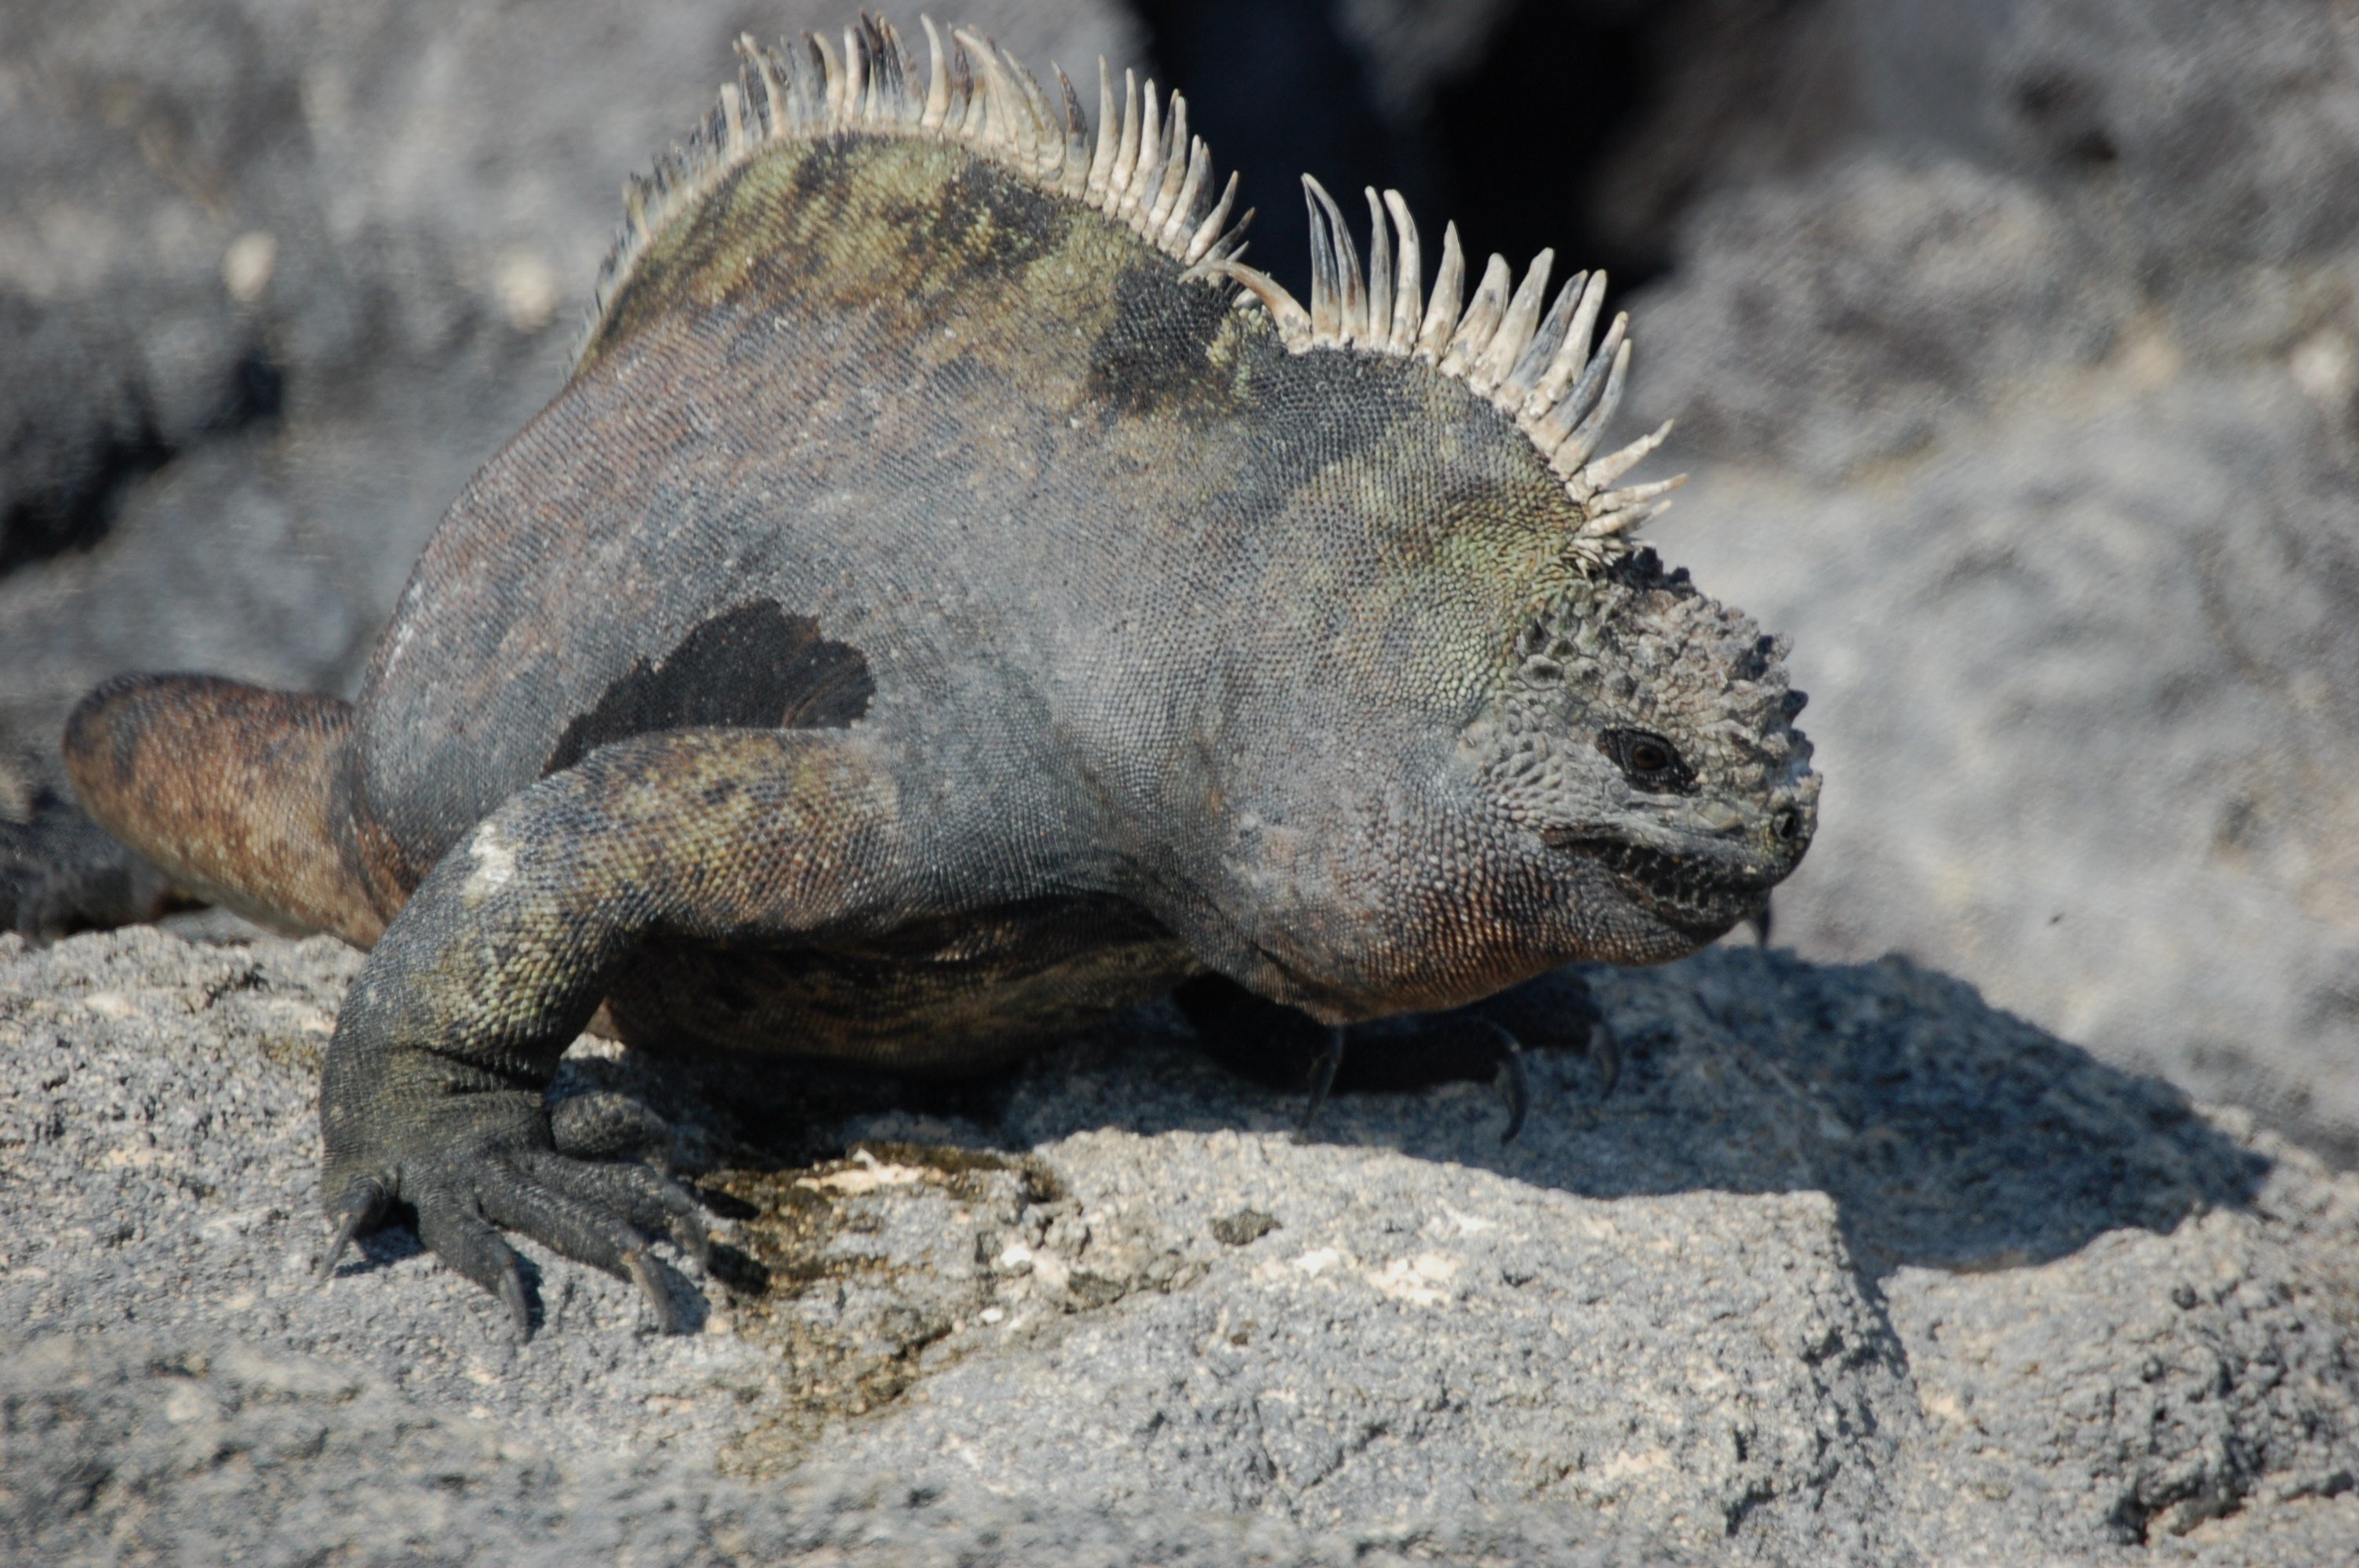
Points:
x=992, y=463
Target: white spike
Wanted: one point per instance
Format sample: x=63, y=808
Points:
x=1514, y=334
x=1481, y=321
x=1377, y=331
x=1442, y=310
x=1574, y=405
x=806, y=81
x=964, y=119
x=1175, y=167
x=1192, y=190
x=874, y=83
x=1207, y=232
x=1351, y=300
x=1101, y=160
x=1285, y=312
x=1629, y=508
x=1229, y=245
x=1326, y=287
x=887, y=81
x=1020, y=92
x=733, y=122
x=1573, y=352
x=835, y=77
x=996, y=128
x=855, y=77
x=1613, y=465
x=1125, y=158
x=1547, y=342
x=1046, y=149
x=1408, y=289
x=1002, y=106
x=1585, y=436
x=1635, y=495
x=1146, y=178
x=1073, y=167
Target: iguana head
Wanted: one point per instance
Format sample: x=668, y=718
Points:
x=1646, y=731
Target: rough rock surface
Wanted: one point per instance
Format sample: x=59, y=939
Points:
x=2020, y=391
x=1851, y=1268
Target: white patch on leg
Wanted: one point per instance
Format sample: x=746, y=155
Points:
x=495, y=865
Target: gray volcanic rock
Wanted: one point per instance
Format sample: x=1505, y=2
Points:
x=1851, y=1268
x=1829, y=321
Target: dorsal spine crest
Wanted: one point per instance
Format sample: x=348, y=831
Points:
x=1142, y=168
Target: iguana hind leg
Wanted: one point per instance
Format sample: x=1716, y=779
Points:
x=236, y=792
x=434, y=1093
x=1277, y=1044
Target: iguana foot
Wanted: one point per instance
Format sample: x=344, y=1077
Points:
x=465, y=1191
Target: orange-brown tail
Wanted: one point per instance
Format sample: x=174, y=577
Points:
x=235, y=791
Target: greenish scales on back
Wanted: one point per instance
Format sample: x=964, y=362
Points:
x=955, y=598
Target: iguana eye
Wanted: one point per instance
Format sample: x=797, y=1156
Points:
x=1648, y=761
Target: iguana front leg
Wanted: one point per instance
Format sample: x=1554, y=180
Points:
x=433, y=1094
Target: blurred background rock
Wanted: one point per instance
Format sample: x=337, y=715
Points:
x=2014, y=343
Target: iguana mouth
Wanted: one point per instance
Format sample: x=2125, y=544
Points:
x=1701, y=894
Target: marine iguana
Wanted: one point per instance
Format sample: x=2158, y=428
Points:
x=953, y=599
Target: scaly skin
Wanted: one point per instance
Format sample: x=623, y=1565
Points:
x=927, y=622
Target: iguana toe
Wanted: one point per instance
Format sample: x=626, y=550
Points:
x=1322, y=1078
x=452, y=1229
x=1514, y=1084
x=362, y=1209
x=604, y=1125
x=1605, y=1050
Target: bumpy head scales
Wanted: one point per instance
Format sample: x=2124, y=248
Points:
x=1651, y=728
x=1141, y=167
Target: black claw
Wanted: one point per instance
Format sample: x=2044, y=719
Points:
x=1516, y=1082
x=511, y=1293
x=1322, y=1076
x=363, y=1207
x=651, y=1285
x=1605, y=1050
x=1759, y=921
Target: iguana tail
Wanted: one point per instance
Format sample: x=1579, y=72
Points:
x=235, y=792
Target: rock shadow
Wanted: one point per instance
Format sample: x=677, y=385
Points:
x=1949, y=1133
